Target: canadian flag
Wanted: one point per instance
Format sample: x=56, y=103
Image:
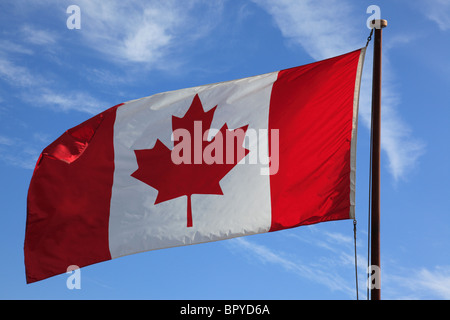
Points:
x=223, y=160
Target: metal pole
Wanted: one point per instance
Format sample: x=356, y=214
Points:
x=375, y=292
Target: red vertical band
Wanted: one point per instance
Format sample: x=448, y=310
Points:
x=312, y=106
x=69, y=199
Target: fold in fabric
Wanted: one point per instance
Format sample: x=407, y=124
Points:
x=72, y=143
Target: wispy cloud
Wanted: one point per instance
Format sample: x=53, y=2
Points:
x=17, y=75
x=141, y=35
x=36, y=90
x=315, y=25
x=145, y=32
x=417, y=284
x=398, y=141
x=7, y=46
x=35, y=85
x=17, y=152
x=439, y=12
x=320, y=27
x=436, y=281
x=67, y=101
x=402, y=148
x=37, y=36
x=5, y=141
x=131, y=33
x=324, y=269
x=332, y=265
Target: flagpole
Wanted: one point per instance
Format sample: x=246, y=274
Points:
x=375, y=292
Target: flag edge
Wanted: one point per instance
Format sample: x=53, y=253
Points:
x=356, y=96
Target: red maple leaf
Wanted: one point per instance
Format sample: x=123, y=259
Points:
x=203, y=163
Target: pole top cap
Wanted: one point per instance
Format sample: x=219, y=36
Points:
x=378, y=23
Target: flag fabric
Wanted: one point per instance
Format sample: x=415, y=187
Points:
x=213, y=162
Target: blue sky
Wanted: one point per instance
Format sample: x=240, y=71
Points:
x=53, y=78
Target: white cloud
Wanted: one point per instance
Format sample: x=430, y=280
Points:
x=6, y=141
x=18, y=153
x=332, y=265
x=37, y=36
x=11, y=47
x=144, y=32
x=321, y=27
x=436, y=281
x=126, y=32
x=17, y=75
x=37, y=92
x=424, y=283
x=321, y=272
x=402, y=149
x=71, y=101
x=323, y=30
x=397, y=140
x=439, y=12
